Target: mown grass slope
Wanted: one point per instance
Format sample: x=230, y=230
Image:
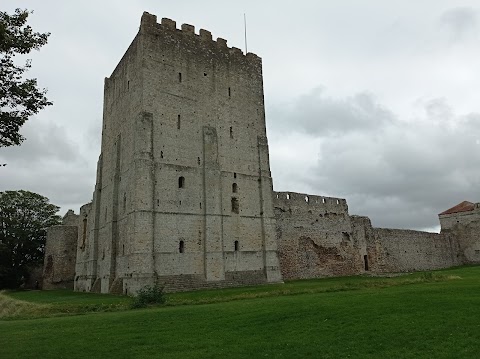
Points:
x=419, y=316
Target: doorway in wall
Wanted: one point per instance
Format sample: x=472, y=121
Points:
x=365, y=261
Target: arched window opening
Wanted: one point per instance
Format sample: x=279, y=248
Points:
x=234, y=188
x=181, y=182
x=181, y=247
x=236, y=246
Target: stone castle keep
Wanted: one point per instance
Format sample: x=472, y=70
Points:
x=183, y=194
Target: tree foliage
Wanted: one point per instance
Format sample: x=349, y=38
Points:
x=24, y=219
x=19, y=98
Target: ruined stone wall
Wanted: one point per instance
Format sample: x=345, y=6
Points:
x=60, y=255
x=315, y=236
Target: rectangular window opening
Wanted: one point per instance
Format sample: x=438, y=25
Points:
x=235, y=205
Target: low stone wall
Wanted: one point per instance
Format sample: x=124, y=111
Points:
x=404, y=250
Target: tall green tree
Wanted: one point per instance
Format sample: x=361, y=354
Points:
x=19, y=98
x=24, y=219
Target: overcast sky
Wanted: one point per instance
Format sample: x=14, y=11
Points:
x=374, y=101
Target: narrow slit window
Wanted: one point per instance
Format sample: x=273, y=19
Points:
x=181, y=247
x=235, y=205
x=236, y=246
x=179, y=77
x=84, y=237
x=229, y=92
x=181, y=182
x=231, y=132
x=124, y=202
x=178, y=122
x=234, y=188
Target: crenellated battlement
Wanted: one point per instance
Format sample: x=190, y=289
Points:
x=149, y=24
x=306, y=202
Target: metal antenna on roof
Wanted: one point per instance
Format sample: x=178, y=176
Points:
x=245, y=27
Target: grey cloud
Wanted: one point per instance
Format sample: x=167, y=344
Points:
x=316, y=113
x=48, y=163
x=44, y=141
x=400, y=173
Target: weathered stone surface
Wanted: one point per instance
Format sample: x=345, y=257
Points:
x=462, y=214
x=183, y=184
x=317, y=237
x=60, y=254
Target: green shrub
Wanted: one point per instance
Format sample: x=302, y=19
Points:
x=149, y=295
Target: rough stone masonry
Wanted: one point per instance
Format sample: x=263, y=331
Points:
x=183, y=193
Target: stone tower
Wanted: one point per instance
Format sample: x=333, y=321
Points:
x=183, y=193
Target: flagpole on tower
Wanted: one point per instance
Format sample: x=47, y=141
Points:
x=245, y=27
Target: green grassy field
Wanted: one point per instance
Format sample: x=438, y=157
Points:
x=425, y=315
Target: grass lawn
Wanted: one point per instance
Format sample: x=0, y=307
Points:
x=415, y=316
